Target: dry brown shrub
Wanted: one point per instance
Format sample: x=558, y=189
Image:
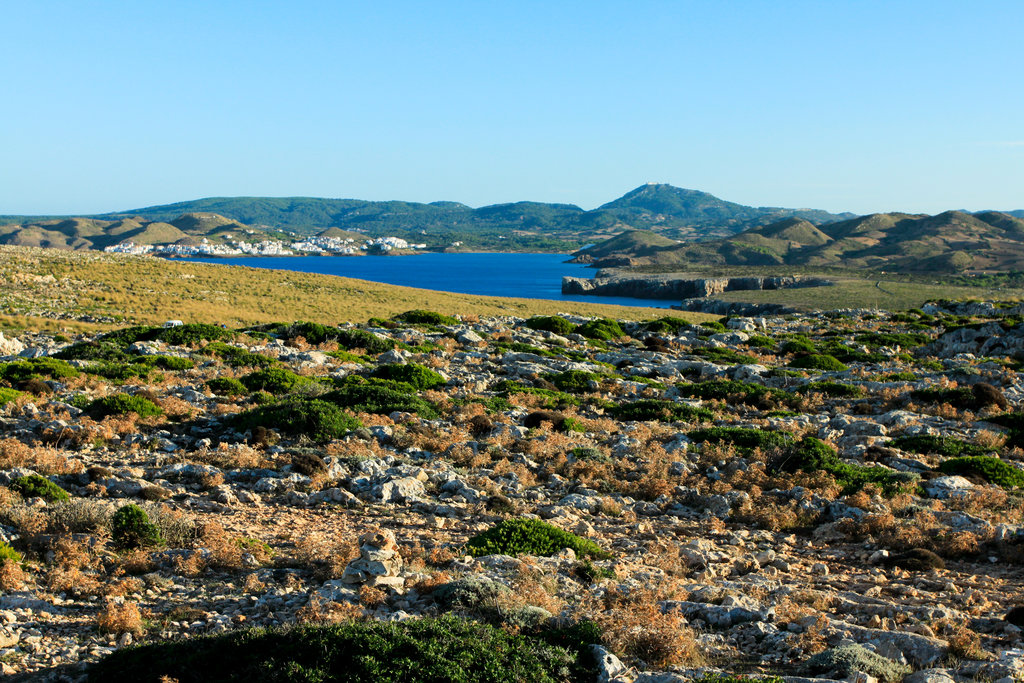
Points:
x=73, y=581
x=635, y=626
x=813, y=638
x=29, y=521
x=428, y=584
x=138, y=561
x=317, y=611
x=328, y=556
x=252, y=584
x=209, y=480
x=372, y=596
x=225, y=551
x=441, y=556
x=119, y=617
x=177, y=408
x=189, y=564
x=231, y=457
x=8, y=498
x=986, y=438
x=12, y=576
x=963, y=642
x=71, y=554
x=124, y=587
x=42, y=459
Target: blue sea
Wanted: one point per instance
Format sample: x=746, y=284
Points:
x=531, y=276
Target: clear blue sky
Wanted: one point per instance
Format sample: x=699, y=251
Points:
x=842, y=105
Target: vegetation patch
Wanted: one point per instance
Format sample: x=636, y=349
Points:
x=832, y=389
x=122, y=404
x=733, y=391
x=443, y=650
x=818, y=361
x=237, y=357
x=947, y=446
x=742, y=437
x=36, y=486
x=530, y=537
x=554, y=399
x=7, y=395
x=193, y=333
x=275, y=381
x=573, y=381
x=131, y=528
x=662, y=410
x=991, y=469
x=813, y=455
x=226, y=386
x=417, y=376
x=603, y=329
x=723, y=356
x=551, y=323
x=421, y=317
x=319, y=420
x=371, y=397
x=32, y=368
x=666, y=325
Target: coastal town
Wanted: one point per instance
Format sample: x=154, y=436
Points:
x=319, y=244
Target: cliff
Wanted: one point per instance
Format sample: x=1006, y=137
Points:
x=680, y=288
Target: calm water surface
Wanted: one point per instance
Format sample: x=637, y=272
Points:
x=531, y=276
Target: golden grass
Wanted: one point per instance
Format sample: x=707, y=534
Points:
x=150, y=290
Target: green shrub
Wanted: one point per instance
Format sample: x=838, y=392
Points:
x=35, y=486
x=903, y=376
x=379, y=399
x=822, y=362
x=8, y=553
x=550, y=323
x=122, y=404
x=741, y=437
x=361, y=339
x=666, y=325
x=319, y=420
x=573, y=381
x=832, y=389
x=172, y=363
x=237, y=357
x=813, y=455
x=348, y=357
x=903, y=339
x=418, y=376
x=590, y=454
x=421, y=317
x=274, y=380
x=8, y=395
x=992, y=469
x=131, y=528
x=118, y=371
x=648, y=409
x=23, y=370
x=731, y=390
x=442, y=650
x=469, y=593
x=723, y=356
x=798, y=344
x=313, y=333
x=94, y=350
x=604, y=329
x=553, y=399
x=193, y=333
x=529, y=537
x=713, y=325
x=226, y=386
x=961, y=397
x=760, y=341
x=942, y=445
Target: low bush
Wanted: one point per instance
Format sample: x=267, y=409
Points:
x=813, y=455
x=847, y=660
x=530, y=537
x=992, y=469
x=7, y=395
x=960, y=397
x=550, y=323
x=662, y=410
x=832, y=389
x=23, y=370
x=903, y=339
x=419, y=377
x=942, y=445
x=604, y=329
x=368, y=397
x=319, y=420
x=237, y=357
x=447, y=649
x=226, y=386
x=8, y=553
x=798, y=344
x=723, y=356
x=36, y=486
x=732, y=391
x=915, y=560
x=553, y=399
x=741, y=437
x=361, y=339
x=122, y=404
x=469, y=592
x=422, y=317
x=665, y=325
x=713, y=325
x=172, y=363
x=820, y=361
x=94, y=350
x=573, y=381
x=275, y=381
x=760, y=341
x=193, y=333
x=130, y=528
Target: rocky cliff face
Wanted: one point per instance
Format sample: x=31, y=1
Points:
x=676, y=288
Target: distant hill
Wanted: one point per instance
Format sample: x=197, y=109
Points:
x=675, y=212
x=92, y=233
x=948, y=242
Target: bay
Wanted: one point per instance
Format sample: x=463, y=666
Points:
x=530, y=276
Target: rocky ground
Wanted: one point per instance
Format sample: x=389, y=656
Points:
x=826, y=495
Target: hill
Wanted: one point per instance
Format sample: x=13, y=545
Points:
x=948, y=242
x=91, y=233
x=674, y=212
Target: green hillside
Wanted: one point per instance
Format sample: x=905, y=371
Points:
x=953, y=241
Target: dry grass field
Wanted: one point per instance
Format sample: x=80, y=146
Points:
x=43, y=286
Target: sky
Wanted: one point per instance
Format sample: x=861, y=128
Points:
x=844, y=105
